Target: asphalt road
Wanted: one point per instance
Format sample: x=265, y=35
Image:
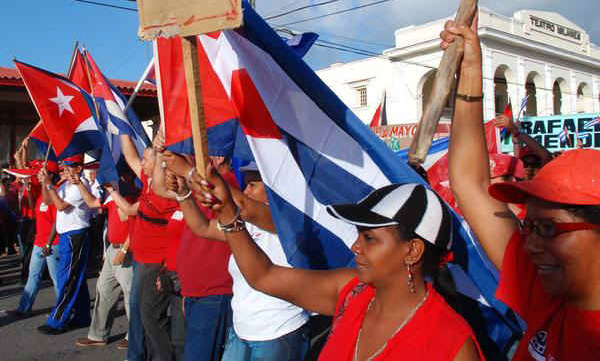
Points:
x=20, y=339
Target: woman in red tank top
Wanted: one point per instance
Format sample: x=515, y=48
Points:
x=384, y=309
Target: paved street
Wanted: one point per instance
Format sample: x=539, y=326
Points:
x=19, y=338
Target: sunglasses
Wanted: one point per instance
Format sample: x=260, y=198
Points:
x=548, y=228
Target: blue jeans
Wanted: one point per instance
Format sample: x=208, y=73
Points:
x=135, y=350
x=36, y=270
x=290, y=347
x=207, y=321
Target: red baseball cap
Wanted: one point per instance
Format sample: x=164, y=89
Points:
x=504, y=164
x=571, y=178
x=75, y=159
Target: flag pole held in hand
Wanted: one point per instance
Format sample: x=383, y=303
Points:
x=185, y=18
x=442, y=85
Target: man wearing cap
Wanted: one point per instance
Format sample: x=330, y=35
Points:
x=72, y=222
x=45, y=248
x=150, y=237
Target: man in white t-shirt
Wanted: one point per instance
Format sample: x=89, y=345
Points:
x=72, y=222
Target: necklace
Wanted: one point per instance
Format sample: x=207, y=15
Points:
x=408, y=318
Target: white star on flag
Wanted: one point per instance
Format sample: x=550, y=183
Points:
x=63, y=102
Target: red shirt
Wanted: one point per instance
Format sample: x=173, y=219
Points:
x=150, y=235
x=435, y=332
x=555, y=330
x=34, y=194
x=209, y=258
x=202, y=266
x=45, y=216
x=176, y=223
x=117, y=230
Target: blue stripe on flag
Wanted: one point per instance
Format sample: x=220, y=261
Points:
x=328, y=182
x=313, y=246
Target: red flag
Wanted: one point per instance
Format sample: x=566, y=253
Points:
x=172, y=92
x=79, y=73
x=64, y=108
x=380, y=116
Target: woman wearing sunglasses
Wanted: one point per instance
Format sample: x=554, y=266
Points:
x=550, y=263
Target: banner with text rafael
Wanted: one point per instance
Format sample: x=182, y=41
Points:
x=547, y=131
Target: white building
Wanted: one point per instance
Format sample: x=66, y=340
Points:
x=535, y=53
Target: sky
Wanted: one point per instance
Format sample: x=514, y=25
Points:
x=43, y=32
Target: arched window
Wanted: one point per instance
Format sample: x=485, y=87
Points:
x=426, y=86
x=585, y=102
x=531, y=84
x=501, y=97
x=557, y=96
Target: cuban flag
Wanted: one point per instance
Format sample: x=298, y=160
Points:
x=78, y=72
x=564, y=137
x=380, y=116
x=65, y=109
x=225, y=137
x=509, y=113
x=40, y=138
x=312, y=151
x=111, y=105
x=592, y=123
x=523, y=105
x=301, y=43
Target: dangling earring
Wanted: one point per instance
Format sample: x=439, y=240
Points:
x=412, y=287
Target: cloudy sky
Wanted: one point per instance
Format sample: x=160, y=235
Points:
x=42, y=32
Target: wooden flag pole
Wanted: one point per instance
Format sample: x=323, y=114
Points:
x=191, y=65
x=442, y=85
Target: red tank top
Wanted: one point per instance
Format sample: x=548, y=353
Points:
x=435, y=332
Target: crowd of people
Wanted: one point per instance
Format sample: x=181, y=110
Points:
x=204, y=276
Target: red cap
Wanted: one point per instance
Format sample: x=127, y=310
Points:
x=75, y=159
x=572, y=178
x=504, y=164
x=52, y=166
x=92, y=166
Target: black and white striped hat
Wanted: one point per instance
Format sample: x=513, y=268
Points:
x=412, y=205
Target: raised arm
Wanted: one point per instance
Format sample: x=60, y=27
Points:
x=123, y=205
x=49, y=193
x=158, y=179
x=469, y=170
x=131, y=156
x=313, y=290
x=87, y=196
x=194, y=218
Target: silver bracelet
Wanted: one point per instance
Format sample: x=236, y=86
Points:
x=184, y=197
x=236, y=225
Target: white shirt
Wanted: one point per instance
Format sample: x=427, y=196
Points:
x=257, y=316
x=77, y=216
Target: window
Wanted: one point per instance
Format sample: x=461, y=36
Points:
x=362, y=96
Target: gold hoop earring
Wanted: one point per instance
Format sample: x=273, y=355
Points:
x=412, y=287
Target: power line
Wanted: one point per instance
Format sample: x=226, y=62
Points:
x=337, y=12
x=106, y=5
x=300, y=8
x=347, y=38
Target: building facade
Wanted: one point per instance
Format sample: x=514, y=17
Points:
x=535, y=53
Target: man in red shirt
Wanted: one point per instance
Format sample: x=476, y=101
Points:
x=149, y=240
x=45, y=249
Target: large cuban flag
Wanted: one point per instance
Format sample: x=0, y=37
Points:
x=65, y=109
x=312, y=151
